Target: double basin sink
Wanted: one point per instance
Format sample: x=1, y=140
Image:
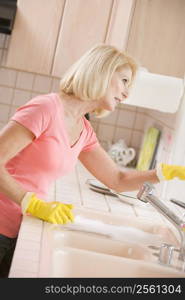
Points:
x=67, y=252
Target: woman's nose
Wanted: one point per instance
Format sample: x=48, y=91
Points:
x=125, y=93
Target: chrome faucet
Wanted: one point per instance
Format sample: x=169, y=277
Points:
x=146, y=194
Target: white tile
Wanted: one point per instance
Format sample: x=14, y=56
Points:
x=25, y=80
x=123, y=133
x=42, y=84
x=33, y=255
x=5, y=95
x=105, y=132
x=26, y=265
x=28, y=244
x=4, y=113
x=21, y=97
x=7, y=77
x=126, y=118
x=118, y=207
x=16, y=273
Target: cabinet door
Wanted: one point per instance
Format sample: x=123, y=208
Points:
x=157, y=36
x=119, y=25
x=84, y=24
x=34, y=37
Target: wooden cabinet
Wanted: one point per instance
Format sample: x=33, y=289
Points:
x=157, y=36
x=86, y=23
x=49, y=35
x=33, y=40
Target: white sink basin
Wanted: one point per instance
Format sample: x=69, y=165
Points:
x=69, y=253
x=99, y=244
x=70, y=262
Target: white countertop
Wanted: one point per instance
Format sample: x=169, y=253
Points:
x=73, y=189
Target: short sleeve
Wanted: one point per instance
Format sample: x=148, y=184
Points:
x=91, y=140
x=35, y=115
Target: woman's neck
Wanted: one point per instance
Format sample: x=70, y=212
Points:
x=75, y=108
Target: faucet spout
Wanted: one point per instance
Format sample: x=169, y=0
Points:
x=146, y=194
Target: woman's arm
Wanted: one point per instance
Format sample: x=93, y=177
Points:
x=98, y=162
x=13, y=138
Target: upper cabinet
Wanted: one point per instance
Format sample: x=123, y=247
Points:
x=33, y=40
x=84, y=24
x=49, y=35
x=157, y=36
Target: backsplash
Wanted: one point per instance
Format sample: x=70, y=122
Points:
x=127, y=122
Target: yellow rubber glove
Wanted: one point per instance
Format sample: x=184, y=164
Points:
x=168, y=172
x=53, y=212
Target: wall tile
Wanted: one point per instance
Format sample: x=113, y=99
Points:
x=136, y=139
x=163, y=118
x=25, y=80
x=139, y=123
x=21, y=97
x=7, y=77
x=125, y=106
x=123, y=133
x=2, y=40
x=42, y=84
x=7, y=41
x=94, y=125
x=12, y=111
x=105, y=132
x=3, y=58
x=5, y=95
x=126, y=118
x=4, y=112
x=110, y=119
x=55, y=85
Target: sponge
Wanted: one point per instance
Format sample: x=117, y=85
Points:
x=148, y=149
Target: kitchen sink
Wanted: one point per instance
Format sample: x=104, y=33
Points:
x=67, y=252
x=71, y=262
x=99, y=244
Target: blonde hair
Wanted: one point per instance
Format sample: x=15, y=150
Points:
x=89, y=77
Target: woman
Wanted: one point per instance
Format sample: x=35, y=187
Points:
x=46, y=136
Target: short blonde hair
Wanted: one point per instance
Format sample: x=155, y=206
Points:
x=89, y=77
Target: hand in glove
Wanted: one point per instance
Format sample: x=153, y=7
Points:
x=53, y=212
x=168, y=172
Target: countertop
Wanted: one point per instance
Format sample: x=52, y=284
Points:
x=73, y=189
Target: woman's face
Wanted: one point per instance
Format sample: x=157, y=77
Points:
x=118, y=89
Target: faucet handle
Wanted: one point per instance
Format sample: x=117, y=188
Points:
x=146, y=189
x=165, y=254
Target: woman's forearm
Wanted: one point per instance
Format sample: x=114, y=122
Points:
x=133, y=180
x=9, y=186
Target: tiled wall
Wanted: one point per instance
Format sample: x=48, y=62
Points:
x=127, y=122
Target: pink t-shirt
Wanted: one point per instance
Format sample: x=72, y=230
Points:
x=47, y=158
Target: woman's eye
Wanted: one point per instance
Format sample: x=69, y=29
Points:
x=125, y=80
